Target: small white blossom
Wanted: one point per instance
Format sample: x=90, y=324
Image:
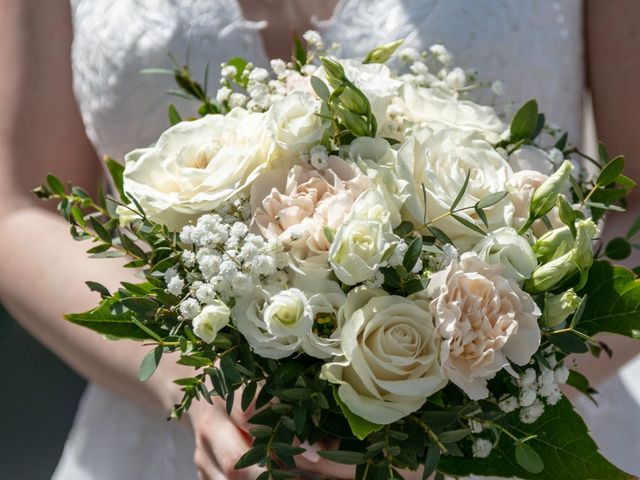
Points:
x=531, y=413
x=188, y=258
x=308, y=70
x=206, y=293
x=190, y=308
x=556, y=156
x=237, y=99
x=376, y=281
x=481, y=448
x=528, y=395
x=222, y=95
x=175, y=285
x=279, y=67
x=508, y=404
x=441, y=53
x=528, y=378
x=209, y=265
x=319, y=157
x=497, y=88
x=554, y=397
x=546, y=377
x=409, y=55
x=562, y=374
x=456, y=78
x=313, y=39
x=228, y=71
x=258, y=75
x=475, y=426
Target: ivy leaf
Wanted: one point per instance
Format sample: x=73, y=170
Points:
x=561, y=440
x=613, y=303
x=360, y=427
x=525, y=121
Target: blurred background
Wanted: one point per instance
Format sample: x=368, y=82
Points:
x=38, y=399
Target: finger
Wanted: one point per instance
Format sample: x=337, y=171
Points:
x=227, y=444
x=313, y=463
x=205, y=463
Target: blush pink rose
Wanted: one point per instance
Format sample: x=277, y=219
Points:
x=294, y=205
x=485, y=321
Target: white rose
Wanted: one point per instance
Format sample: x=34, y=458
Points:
x=211, y=319
x=287, y=314
x=249, y=316
x=295, y=123
x=362, y=240
x=377, y=160
x=390, y=349
x=505, y=247
x=485, y=321
x=528, y=157
x=196, y=166
x=436, y=164
x=438, y=109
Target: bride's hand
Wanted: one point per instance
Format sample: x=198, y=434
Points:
x=220, y=442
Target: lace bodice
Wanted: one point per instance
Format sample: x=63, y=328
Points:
x=534, y=47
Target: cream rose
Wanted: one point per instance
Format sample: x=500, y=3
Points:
x=390, y=349
x=485, y=321
x=294, y=205
x=196, y=166
x=505, y=247
x=273, y=323
x=528, y=157
x=362, y=240
x=294, y=123
x=438, y=162
x=438, y=109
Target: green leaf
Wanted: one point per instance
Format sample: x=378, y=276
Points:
x=468, y=224
x=287, y=450
x=320, y=88
x=239, y=63
x=149, y=363
x=463, y=189
x=116, y=170
x=618, y=249
x=613, y=303
x=439, y=234
x=491, y=200
x=569, y=342
x=55, y=185
x=174, y=116
x=412, y=254
x=344, y=457
x=611, y=171
x=635, y=228
x=100, y=230
x=524, y=122
x=528, y=458
x=110, y=318
x=299, y=52
x=255, y=455
x=561, y=440
x=99, y=288
x=247, y=395
x=360, y=427
x=431, y=461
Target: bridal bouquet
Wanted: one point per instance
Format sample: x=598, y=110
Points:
x=364, y=252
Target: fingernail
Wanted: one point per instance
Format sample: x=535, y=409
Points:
x=310, y=452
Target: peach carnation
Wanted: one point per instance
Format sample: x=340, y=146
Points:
x=294, y=205
x=485, y=320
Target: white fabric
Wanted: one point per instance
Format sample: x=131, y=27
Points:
x=533, y=46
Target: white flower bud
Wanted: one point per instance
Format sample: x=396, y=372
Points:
x=211, y=320
x=288, y=313
x=558, y=307
x=544, y=198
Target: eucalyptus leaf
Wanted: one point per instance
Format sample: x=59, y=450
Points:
x=528, y=458
x=149, y=363
x=610, y=171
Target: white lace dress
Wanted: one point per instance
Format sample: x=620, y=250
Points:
x=534, y=47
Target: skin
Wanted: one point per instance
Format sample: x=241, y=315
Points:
x=41, y=131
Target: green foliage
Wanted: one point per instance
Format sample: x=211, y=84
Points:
x=360, y=427
x=613, y=303
x=525, y=122
x=559, y=436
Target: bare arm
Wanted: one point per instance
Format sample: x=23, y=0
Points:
x=613, y=57
x=43, y=273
